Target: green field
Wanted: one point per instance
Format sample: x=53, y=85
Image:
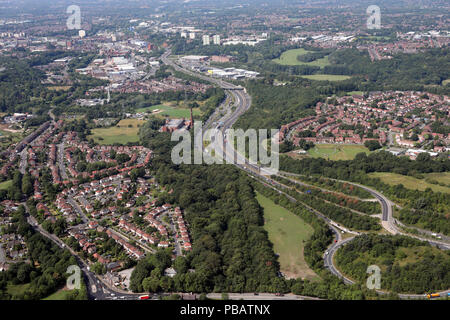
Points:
x=336, y=151
x=17, y=289
x=289, y=58
x=287, y=233
x=170, y=111
x=120, y=133
x=5, y=185
x=413, y=183
x=445, y=82
x=326, y=77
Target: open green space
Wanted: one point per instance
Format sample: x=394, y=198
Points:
x=414, y=183
x=58, y=295
x=125, y=131
x=336, y=151
x=289, y=58
x=5, y=185
x=326, y=77
x=171, y=111
x=287, y=232
x=445, y=82
x=407, y=265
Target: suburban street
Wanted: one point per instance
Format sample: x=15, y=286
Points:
x=78, y=209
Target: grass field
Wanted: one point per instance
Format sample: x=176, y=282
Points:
x=326, y=77
x=440, y=177
x=171, y=111
x=287, y=233
x=17, y=289
x=58, y=295
x=121, y=133
x=337, y=152
x=411, y=182
x=289, y=58
x=445, y=82
x=5, y=185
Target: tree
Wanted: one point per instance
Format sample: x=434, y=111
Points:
x=151, y=284
x=372, y=145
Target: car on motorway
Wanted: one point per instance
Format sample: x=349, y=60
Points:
x=326, y=252
x=145, y=297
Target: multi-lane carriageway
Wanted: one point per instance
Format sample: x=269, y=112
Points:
x=243, y=103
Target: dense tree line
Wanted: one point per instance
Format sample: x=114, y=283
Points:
x=21, y=186
x=47, y=271
x=334, y=185
x=311, y=56
x=20, y=86
x=402, y=72
x=340, y=215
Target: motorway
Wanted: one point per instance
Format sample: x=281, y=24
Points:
x=2, y=254
x=97, y=287
x=243, y=103
x=62, y=167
